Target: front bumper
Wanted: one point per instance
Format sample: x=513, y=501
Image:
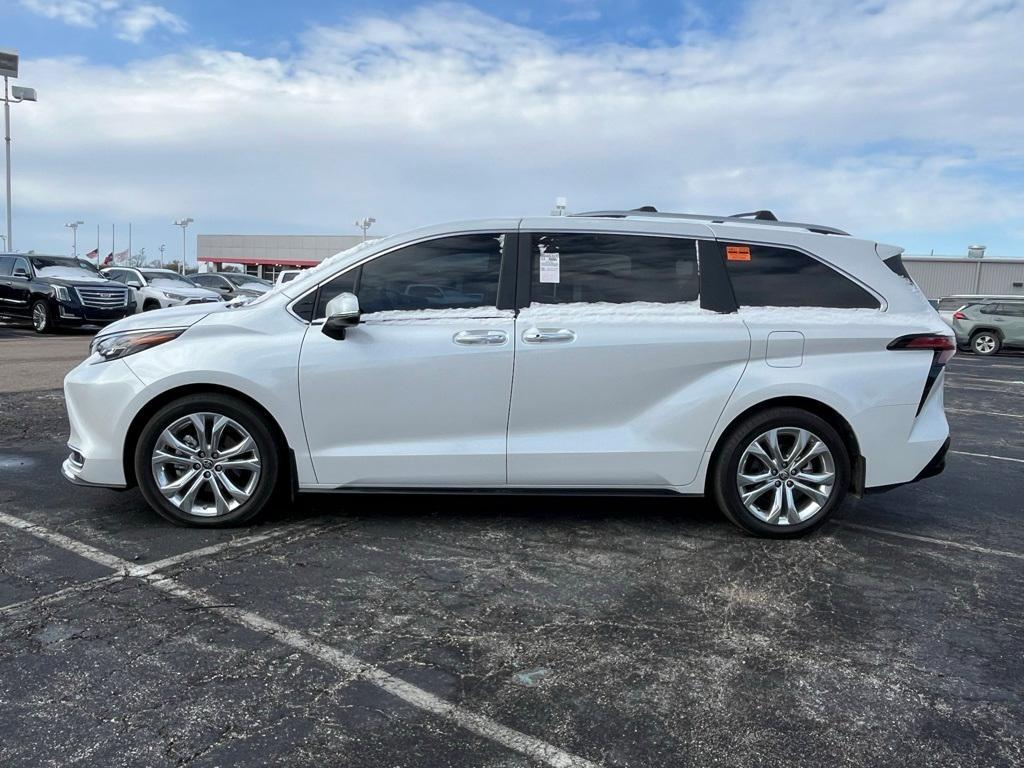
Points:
x=76, y=314
x=98, y=398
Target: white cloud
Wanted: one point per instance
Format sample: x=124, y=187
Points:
x=891, y=119
x=132, y=21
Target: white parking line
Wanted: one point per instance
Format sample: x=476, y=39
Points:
x=988, y=456
x=931, y=540
x=481, y=725
x=137, y=570
x=968, y=377
x=984, y=413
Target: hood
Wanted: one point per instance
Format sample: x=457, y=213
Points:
x=60, y=276
x=172, y=317
x=184, y=290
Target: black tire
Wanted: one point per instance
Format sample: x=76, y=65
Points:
x=985, y=343
x=41, y=308
x=269, y=452
x=735, y=442
x=150, y=305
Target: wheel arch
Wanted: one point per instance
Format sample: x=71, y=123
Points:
x=818, y=408
x=986, y=329
x=146, y=412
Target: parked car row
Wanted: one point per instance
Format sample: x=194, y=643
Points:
x=56, y=291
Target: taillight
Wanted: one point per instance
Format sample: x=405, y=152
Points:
x=943, y=347
x=958, y=315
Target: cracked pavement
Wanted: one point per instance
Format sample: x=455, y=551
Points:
x=627, y=632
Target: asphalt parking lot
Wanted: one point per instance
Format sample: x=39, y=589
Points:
x=456, y=631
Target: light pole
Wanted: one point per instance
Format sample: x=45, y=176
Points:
x=183, y=223
x=4, y=238
x=162, y=249
x=364, y=224
x=73, y=226
x=14, y=94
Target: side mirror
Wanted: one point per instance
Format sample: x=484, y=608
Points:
x=133, y=283
x=342, y=313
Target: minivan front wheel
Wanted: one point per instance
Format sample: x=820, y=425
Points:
x=207, y=461
x=985, y=343
x=781, y=473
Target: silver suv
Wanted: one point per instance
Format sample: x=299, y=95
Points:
x=988, y=326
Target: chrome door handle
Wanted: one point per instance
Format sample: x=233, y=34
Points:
x=480, y=337
x=545, y=335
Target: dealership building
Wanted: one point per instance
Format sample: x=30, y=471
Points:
x=266, y=255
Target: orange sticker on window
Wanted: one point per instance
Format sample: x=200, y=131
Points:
x=737, y=252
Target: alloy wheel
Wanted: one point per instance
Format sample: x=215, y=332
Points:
x=786, y=476
x=984, y=344
x=206, y=464
x=39, y=318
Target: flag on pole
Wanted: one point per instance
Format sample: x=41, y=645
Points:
x=121, y=256
x=93, y=254
x=109, y=260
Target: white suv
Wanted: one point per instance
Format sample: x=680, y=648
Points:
x=160, y=288
x=775, y=366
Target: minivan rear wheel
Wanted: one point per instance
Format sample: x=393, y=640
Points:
x=781, y=473
x=207, y=461
x=985, y=343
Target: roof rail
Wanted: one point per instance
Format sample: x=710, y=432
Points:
x=763, y=218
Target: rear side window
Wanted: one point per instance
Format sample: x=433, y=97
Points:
x=447, y=273
x=770, y=276
x=577, y=267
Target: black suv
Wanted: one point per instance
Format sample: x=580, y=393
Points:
x=54, y=291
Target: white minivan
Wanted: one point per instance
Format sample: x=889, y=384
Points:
x=775, y=366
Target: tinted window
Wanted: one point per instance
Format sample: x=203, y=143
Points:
x=447, y=273
x=116, y=274
x=947, y=304
x=20, y=265
x=6, y=263
x=769, y=276
x=571, y=267
x=1011, y=310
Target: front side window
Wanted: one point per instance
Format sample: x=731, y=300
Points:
x=447, y=273
x=771, y=276
x=116, y=274
x=20, y=266
x=571, y=267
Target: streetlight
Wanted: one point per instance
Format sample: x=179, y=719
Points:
x=183, y=223
x=73, y=226
x=364, y=224
x=162, y=249
x=15, y=94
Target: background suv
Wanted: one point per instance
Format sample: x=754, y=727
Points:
x=160, y=288
x=990, y=325
x=774, y=366
x=232, y=285
x=55, y=291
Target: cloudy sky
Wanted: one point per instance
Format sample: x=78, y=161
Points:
x=901, y=121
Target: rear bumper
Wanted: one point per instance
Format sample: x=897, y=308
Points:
x=934, y=467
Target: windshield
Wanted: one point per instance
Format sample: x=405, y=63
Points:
x=168, y=278
x=60, y=266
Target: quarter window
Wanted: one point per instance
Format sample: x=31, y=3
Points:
x=770, y=276
x=578, y=267
x=447, y=273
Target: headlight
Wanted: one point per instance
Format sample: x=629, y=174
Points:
x=117, y=345
x=174, y=296
x=62, y=292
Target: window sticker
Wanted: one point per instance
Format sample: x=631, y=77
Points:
x=737, y=253
x=549, y=266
